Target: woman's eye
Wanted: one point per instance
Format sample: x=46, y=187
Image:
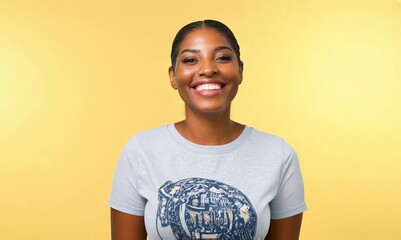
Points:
x=189, y=60
x=224, y=58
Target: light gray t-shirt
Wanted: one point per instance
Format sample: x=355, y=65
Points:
x=191, y=191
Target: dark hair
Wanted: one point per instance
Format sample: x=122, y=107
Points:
x=221, y=27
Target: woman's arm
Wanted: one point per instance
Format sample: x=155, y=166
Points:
x=285, y=229
x=127, y=227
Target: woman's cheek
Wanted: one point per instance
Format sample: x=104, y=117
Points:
x=189, y=71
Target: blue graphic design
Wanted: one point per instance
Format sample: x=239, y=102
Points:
x=197, y=208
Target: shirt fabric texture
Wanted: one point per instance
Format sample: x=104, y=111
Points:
x=190, y=191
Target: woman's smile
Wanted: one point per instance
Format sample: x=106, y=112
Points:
x=208, y=88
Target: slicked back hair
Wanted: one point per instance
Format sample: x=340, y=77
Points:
x=219, y=26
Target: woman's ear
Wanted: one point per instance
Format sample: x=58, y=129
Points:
x=171, y=74
x=241, y=69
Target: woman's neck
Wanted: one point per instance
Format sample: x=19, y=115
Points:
x=209, y=129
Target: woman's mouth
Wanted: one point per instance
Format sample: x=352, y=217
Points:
x=208, y=87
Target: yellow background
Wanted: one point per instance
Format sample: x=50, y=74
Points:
x=79, y=78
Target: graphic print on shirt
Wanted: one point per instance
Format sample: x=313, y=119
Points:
x=198, y=208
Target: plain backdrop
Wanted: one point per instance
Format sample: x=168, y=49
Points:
x=79, y=78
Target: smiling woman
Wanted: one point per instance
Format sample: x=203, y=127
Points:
x=206, y=72
x=207, y=177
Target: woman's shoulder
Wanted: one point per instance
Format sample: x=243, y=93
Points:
x=149, y=136
x=268, y=140
x=153, y=132
x=275, y=149
x=262, y=136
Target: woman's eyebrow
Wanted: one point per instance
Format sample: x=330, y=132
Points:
x=189, y=50
x=222, y=48
x=216, y=49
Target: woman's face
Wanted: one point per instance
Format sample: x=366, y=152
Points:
x=207, y=71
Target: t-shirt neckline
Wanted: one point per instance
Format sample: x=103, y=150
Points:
x=209, y=149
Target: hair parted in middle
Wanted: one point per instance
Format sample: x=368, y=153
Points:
x=219, y=26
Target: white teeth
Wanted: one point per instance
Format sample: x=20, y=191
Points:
x=208, y=86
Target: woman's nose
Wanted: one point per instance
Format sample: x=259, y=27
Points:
x=207, y=68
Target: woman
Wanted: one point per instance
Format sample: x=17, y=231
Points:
x=206, y=177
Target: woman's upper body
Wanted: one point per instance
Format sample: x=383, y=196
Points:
x=190, y=191
x=207, y=177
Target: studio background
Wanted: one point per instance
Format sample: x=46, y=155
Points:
x=79, y=78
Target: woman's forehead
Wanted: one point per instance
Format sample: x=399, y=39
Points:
x=204, y=37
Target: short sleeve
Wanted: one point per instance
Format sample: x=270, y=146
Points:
x=124, y=194
x=289, y=200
